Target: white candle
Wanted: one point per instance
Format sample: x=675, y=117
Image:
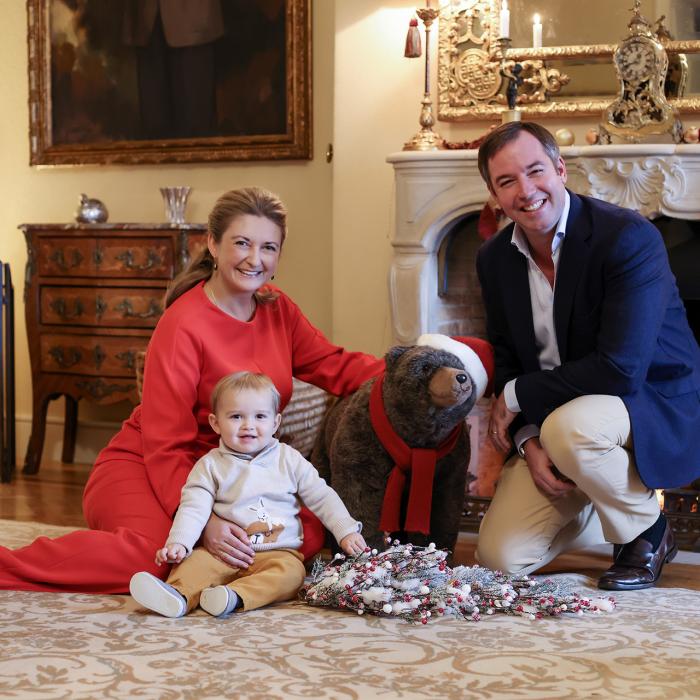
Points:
x=536, y=32
x=505, y=19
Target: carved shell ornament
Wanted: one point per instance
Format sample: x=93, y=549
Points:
x=643, y=186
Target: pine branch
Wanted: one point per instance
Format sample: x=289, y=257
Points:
x=415, y=583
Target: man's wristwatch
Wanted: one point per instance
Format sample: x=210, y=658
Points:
x=521, y=446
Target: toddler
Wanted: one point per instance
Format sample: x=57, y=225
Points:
x=255, y=481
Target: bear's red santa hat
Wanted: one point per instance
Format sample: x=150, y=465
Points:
x=474, y=353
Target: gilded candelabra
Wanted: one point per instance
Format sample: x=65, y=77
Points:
x=426, y=139
x=512, y=72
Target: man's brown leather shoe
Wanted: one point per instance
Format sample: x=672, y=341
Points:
x=637, y=566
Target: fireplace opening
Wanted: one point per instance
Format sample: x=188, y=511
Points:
x=682, y=239
x=459, y=310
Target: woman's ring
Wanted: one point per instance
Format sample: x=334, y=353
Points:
x=494, y=432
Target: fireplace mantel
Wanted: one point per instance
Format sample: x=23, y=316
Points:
x=434, y=189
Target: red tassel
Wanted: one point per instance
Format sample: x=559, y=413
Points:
x=413, y=48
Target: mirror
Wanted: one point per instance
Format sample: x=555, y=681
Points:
x=572, y=74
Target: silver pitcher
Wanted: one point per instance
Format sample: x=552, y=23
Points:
x=90, y=211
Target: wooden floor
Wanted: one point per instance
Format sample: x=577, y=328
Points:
x=52, y=496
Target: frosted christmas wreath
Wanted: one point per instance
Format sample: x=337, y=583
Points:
x=415, y=583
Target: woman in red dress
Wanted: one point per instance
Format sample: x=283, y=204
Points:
x=222, y=316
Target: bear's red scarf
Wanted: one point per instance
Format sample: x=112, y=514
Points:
x=419, y=461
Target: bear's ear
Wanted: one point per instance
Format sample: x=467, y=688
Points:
x=393, y=355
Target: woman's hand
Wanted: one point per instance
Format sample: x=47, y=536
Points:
x=354, y=543
x=227, y=542
x=171, y=554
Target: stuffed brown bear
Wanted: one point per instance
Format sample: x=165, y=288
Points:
x=397, y=450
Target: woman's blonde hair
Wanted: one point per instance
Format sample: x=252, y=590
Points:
x=241, y=381
x=255, y=201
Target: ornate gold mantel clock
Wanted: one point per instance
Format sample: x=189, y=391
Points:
x=641, y=109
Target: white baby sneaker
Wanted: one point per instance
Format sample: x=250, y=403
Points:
x=156, y=595
x=218, y=601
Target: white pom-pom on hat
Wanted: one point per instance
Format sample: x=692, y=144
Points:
x=474, y=353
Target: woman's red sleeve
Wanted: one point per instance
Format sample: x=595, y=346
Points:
x=317, y=361
x=168, y=415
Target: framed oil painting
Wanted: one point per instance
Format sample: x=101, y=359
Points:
x=166, y=81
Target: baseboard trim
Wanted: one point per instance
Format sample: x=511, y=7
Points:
x=92, y=437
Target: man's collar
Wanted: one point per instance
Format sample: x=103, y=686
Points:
x=520, y=242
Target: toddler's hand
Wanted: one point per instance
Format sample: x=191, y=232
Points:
x=354, y=543
x=171, y=554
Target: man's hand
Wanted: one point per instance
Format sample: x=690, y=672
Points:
x=501, y=418
x=354, y=543
x=543, y=472
x=171, y=554
x=227, y=542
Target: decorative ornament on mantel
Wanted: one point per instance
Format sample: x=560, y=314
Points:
x=641, y=109
x=415, y=583
x=592, y=136
x=691, y=134
x=426, y=139
x=510, y=70
x=564, y=137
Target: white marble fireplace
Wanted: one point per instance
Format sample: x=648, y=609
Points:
x=435, y=190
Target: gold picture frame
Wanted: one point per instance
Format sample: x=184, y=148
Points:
x=80, y=114
x=469, y=61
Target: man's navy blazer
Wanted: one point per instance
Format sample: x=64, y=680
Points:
x=621, y=328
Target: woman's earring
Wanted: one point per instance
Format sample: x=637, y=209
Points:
x=216, y=264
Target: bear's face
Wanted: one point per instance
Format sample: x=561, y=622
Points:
x=423, y=385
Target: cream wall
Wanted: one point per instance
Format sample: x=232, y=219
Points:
x=33, y=194
x=366, y=101
x=377, y=103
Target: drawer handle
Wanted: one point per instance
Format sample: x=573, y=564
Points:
x=65, y=359
x=98, y=355
x=59, y=259
x=59, y=307
x=100, y=307
x=99, y=389
x=127, y=310
x=128, y=357
x=152, y=260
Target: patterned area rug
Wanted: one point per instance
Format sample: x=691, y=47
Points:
x=81, y=646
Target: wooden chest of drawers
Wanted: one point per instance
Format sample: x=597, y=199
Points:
x=93, y=294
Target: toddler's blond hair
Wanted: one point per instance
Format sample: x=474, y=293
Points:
x=240, y=381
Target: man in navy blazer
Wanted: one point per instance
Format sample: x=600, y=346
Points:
x=597, y=370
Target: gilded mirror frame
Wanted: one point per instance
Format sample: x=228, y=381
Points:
x=460, y=100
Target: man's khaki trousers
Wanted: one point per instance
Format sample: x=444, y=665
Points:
x=589, y=441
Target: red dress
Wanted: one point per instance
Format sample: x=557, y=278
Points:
x=134, y=488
